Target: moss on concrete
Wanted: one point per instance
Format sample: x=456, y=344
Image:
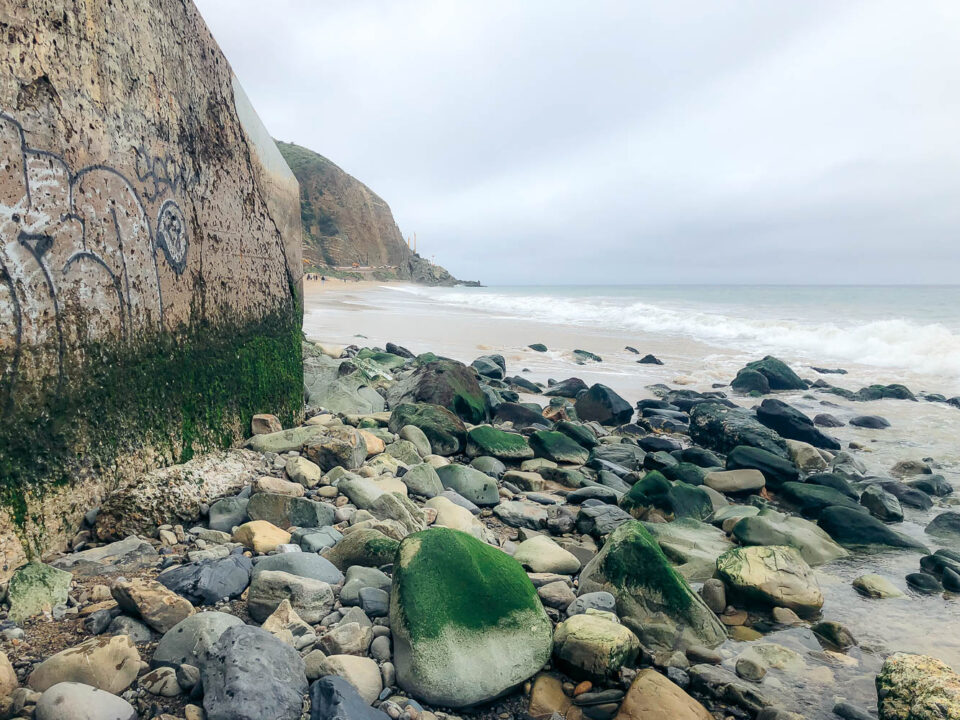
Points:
x=178, y=393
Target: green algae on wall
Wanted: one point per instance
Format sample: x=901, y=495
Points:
x=179, y=393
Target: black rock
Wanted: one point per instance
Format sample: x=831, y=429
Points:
x=650, y=360
x=871, y=422
x=686, y=472
x=828, y=371
x=911, y=497
x=654, y=443
x=580, y=434
x=521, y=416
x=721, y=428
x=945, y=525
x=881, y=504
x=935, y=564
x=375, y=602
x=851, y=712
x=525, y=385
x=602, y=404
x=399, y=351
x=935, y=485
x=750, y=381
x=632, y=349
x=601, y=520
x=854, y=527
x=209, y=582
x=334, y=698
x=593, y=492
x=793, y=424
x=623, y=455
x=778, y=375
x=659, y=460
x=827, y=420
x=569, y=388
x=950, y=580
x=924, y=583
x=583, y=356
x=776, y=470
x=250, y=675
x=814, y=499
x=832, y=480
x=538, y=347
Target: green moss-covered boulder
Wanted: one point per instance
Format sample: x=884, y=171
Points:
x=443, y=382
x=36, y=587
x=678, y=498
x=558, y=447
x=383, y=359
x=442, y=428
x=467, y=623
x=486, y=440
x=653, y=599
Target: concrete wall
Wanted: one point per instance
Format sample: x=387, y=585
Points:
x=149, y=257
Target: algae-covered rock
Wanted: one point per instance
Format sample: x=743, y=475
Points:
x=917, y=687
x=486, y=440
x=467, y=623
x=772, y=575
x=446, y=383
x=36, y=587
x=444, y=430
x=366, y=546
x=653, y=599
x=693, y=545
x=678, y=498
x=777, y=373
x=558, y=447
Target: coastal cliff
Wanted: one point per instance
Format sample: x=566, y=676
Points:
x=345, y=222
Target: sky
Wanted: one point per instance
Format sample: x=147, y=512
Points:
x=633, y=142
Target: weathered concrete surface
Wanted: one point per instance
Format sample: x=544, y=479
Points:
x=149, y=257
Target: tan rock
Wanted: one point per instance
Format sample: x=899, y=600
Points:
x=652, y=696
x=109, y=663
x=162, y=681
x=453, y=516
x=277, y=486
x=303, y=471
x=159, y=607
x=8, y=676
x=361, y=672
x=265, y=423
x=375, y=445
x=805, y=456
x=285, y=624
x=261, y=536
x=547, y=697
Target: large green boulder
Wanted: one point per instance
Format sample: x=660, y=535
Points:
x=678, y=498
x=487, y=440
x=443, y=429
x=777, y=373
x=715, y=426
x=467, y=623
x=653, y=599
x=477, y=487
x=36, y=587
x=558, y=447
x=443, y=382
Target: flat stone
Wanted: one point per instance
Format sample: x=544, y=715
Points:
x=35, y=588
x=77, y=701
x=541, y=554
x=107, y=663
x=261, y=536
x=159, y=607
x=311, y=599
x=190, y=641
x=125, y=555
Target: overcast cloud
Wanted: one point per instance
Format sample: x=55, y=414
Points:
x=797, y=141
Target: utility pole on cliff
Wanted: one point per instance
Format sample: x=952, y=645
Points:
x=414, y=243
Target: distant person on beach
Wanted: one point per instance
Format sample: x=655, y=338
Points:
x=323, y=278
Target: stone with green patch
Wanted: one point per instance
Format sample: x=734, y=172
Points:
x=486, y=440
x=467, y=623
x=558, y=447
x=35, y=588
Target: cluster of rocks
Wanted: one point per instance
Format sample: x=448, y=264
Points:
x=437, y=542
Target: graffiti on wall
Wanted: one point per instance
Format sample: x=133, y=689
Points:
x=79, y=254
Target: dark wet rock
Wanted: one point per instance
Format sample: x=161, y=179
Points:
x=872, y=422
x=595, y=492
x=491, y=366
x=650, y=360
x=851, y=712
x=334, y=698
x=487, y=465
x=625, y=455
x=579, y=433
x=835, y=481
x=569, y=388
x=946, y=525
x=935, y=485
x=524, y=384
x=834, y=635
x=777, y=373
x=191, y=640
x=792, y=424
x=252, y=675
x=722, y=684
x=776, y=469
x=399, y=351
x=521, y=416
x=701, y=457
x=922, y=582
x=686, y=472
x=209, y=582
x=854, y=527
x=444, y=430
x=951, y=580
x=538, y=347
x=446, y=383
x=814, y=499
x=558, y=447
x=602, y=404
x=677, y=498
x=584, y=356
x=600, y=600
x=721, y=428
x=827, y=420
x=909, y=496
x=486, y=440
x=881, y=504
x=750, y=381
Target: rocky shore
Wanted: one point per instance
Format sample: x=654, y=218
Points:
x=441, y=540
